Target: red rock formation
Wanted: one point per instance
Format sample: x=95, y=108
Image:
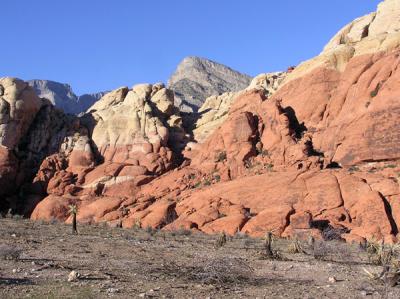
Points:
x=320, y=157
x=261, y=170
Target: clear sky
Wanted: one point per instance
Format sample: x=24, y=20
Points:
x=99, y=45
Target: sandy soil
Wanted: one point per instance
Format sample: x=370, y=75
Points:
x=37, y=258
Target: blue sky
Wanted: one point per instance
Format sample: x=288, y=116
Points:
x=99, y=45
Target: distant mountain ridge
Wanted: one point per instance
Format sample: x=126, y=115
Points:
x=195, y=79
x=63, y=97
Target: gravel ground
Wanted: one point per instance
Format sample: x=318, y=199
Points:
x=36, y=260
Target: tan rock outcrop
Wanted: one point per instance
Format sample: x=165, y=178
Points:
x=132, y=134
x=18, y=107
x=376, y=32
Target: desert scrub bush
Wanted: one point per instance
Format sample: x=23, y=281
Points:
x=295, y=247
x=221, y=215
x=217, y=178
x=220, y=271
x=8, y=252
x=320, y=250
x=197, y=185
x=138, y=224
x=263, y=153
x=269, y=167
x=374, y=92
x=221, y=240
x=390, y=275
x=380, y=253
x=150, y=230
x=207, y=182
x=17, y=217
x=182, y=232
x=390, y=166
x=268, y=251
x=354, y=168
x=220, y=156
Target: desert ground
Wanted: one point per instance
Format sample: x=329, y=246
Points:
x=37, y=259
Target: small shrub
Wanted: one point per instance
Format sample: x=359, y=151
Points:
x=138, y=224
x=183, y=232
x=197, y=185
x=221, y=241
x=248, y=164
x=217, y=177
x=320, y=250
x=9, y=252
x=9, y=214
x=381, y=254
x=268, y=252
x=207, y=182
x=269, y=167
x=221, y=215
x=151, y=231
x=295, y=247
x=354, y=168
x=220, y=157
x=390, y=166
x=374, y=93
x=17, y=217
x=264, y=153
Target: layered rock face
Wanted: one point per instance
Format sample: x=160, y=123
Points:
x=314, y=151
x=62, y=96
x=196, y=79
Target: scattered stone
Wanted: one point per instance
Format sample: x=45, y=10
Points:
x=332, y=279
x=73, y=276
x=113, y=290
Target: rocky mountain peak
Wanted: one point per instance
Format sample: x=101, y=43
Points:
x=62, y=96
x=196, y=79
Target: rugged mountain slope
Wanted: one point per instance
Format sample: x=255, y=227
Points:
x=62, y=96
x=318, y=154
x=195, y=79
